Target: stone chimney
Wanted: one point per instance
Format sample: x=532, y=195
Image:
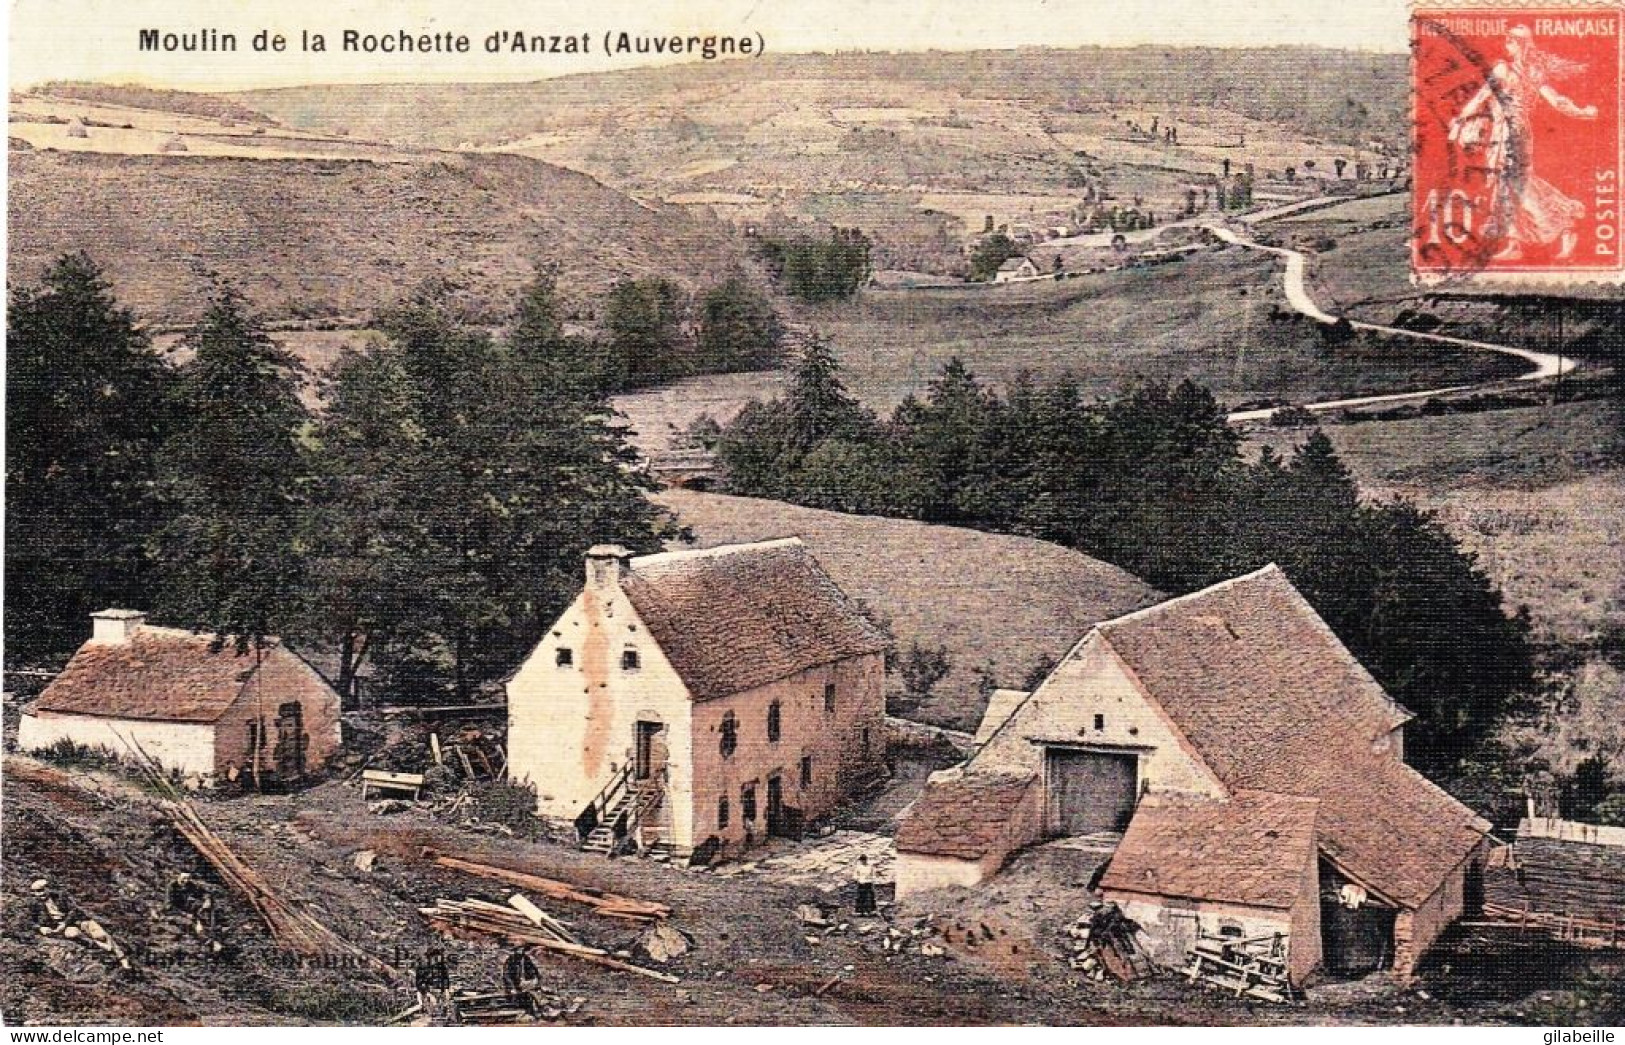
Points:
x=115, y=627
x=606, y=565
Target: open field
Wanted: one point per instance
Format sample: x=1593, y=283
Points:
x=107, y=125
x=1209, y=318
x=1005, y=602
x=1218, y=318
x=337, y=239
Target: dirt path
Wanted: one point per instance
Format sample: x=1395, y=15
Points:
x=1294, y=283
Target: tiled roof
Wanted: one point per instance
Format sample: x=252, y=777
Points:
x=733, y=618
x=162, y=674
x=1252, y=849
x=965, y=815
x=1272, y=701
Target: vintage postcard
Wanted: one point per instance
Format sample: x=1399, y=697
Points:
x=813, y=514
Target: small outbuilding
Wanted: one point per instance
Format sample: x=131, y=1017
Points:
x=193, y=702
x=1243, y=867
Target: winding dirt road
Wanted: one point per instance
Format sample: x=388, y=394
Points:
x=1544, y=365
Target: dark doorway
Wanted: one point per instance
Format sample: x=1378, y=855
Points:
x=1090, y=791
x=651, y=750
x=291, y=741
x=775, y=805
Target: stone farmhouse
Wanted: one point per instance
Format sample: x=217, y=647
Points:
x=1254, y=767
x=700, y=701
x=190, y=701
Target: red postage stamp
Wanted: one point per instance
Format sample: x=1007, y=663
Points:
x=1516, y=142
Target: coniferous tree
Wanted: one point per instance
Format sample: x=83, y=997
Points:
x=235, y=477
x=86, y=410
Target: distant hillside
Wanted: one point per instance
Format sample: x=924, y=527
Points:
x=990, y=599
x=1335, y=94
x=314, y=238
x=131, y=96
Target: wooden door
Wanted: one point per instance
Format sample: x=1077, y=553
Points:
x=1090, y=791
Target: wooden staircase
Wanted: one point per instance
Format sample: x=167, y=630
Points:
x=616, y=813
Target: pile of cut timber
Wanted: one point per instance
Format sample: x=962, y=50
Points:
x=604, y=903
x=1103, y=942
x=292, y=927
x=1572, y=890
x=1255, y=967
x=523, y=924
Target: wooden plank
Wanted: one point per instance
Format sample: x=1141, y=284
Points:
x=605, y=903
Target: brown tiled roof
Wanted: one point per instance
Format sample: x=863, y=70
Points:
x=964, y=816
x=733, y=618
x=160, y=673
x=1272, y=701
x=1252, y=849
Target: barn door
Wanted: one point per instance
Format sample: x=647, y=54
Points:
x=291, y=741
x=1090, y=791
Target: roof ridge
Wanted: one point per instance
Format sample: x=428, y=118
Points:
x=1179, y=600
x=715, y=552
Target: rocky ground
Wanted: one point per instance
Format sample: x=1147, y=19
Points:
x=773, y=940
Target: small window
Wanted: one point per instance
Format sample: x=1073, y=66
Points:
x=747, y=802
x=722, y=813
x=564, y=657
x=774, y=711
x=629, y=660
x=730, y=734
x=866, y=741
x=829, y=697
x=253, y=736
x=806, y=771
x=1100, y=722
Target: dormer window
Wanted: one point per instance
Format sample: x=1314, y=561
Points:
x=564, y=656
x=629, y=660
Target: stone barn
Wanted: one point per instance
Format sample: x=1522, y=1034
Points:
x=700, y=700
x=1241, y=697
x=190, y=701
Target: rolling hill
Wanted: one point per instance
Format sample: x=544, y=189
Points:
x=993, y=600
x=333, y=239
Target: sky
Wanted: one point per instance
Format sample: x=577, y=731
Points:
x=98, y=39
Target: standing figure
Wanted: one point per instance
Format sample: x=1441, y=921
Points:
x=432, y=978
x=1524, y=207
x=864, y=876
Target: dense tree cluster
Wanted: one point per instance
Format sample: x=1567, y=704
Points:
x=1155, y=481
x=991, y=252
x=431, y=519
x=654, y=333
x=815, y=268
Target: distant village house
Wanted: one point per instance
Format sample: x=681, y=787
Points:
x=700, y=701
x=191, y=702
x=1254, y=767
x=1016, y=269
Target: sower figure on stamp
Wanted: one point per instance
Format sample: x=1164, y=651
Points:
x=1525, y=208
